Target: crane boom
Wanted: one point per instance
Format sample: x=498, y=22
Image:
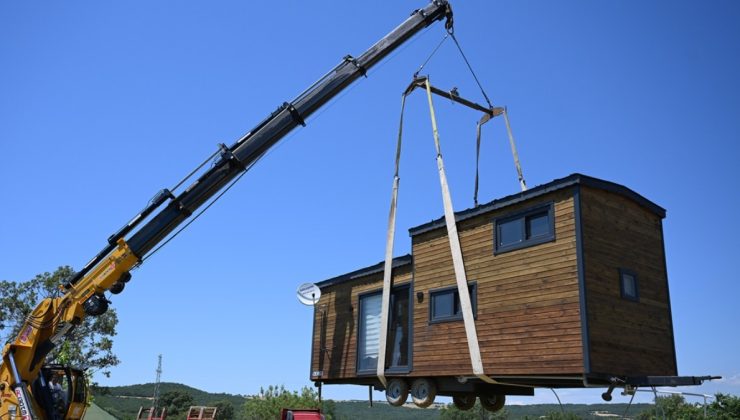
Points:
x=245, y=151
x=51, y=321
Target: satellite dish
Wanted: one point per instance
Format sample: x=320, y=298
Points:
x=308, y=294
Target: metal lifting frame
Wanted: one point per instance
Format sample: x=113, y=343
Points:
x=457, y=259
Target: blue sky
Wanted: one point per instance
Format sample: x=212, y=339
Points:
x=102, y=104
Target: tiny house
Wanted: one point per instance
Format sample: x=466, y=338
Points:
x=568, y=287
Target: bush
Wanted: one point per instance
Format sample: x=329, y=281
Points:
x=269, y=403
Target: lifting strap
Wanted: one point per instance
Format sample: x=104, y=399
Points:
x=388, y=268
x=484, y=119
x=457, y=258
x=522, y=183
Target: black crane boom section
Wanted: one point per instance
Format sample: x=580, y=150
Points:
x=247, y=150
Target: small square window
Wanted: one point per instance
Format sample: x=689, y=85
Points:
x=628, y=285
x=445, y=304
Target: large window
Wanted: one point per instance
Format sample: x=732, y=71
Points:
x=368, y=338
x=628, y=285
x=530, y=227
x=445, y=303
x=398, y=345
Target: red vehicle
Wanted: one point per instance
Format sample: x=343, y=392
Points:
x=301, y=414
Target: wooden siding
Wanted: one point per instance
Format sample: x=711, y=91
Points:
x=528, y=318
x=528, y=315
x=334, y=349
x=625, y=337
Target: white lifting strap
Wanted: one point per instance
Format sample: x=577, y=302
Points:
x=388, y=268
x=522, y=183
x=457, y=258
x=517, y=164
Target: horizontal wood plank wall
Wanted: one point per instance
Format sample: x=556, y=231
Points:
x=334, y=350
x=626, y=337
x=528, y=317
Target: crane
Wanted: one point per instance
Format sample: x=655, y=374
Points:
x=25, y=383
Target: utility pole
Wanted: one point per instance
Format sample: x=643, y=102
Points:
x=156, y=384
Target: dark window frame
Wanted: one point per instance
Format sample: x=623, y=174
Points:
x=472, y=288
x=360, y=297
x=622, y=291
x=410, y=341
x=400, y=369
x=548, y=208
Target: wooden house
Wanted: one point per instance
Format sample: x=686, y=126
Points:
x=568, y=287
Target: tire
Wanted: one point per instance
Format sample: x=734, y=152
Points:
x=423, y=392
x=492, y=403
x=464, y=402
x=397, y=392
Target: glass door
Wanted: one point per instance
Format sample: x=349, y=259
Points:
x=398, y=344
x=399, y=330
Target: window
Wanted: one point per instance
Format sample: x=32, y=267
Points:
x=628, y=285
x=368, y=339
x=79, y=388
x=398, y=347
x=445, y=304
x=527, y=228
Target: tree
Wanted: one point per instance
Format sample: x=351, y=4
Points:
x=724, y=407
x=224, y=410
x=177, y=403
x=269, y=403
x=89, y=346
x=672, y=407
x=450, y=412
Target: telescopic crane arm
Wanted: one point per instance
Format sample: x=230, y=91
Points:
x=54, y=318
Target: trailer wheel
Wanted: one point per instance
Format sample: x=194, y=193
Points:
x=397, y=392
x=492, y=403
x=464, y=402
x=423, y=392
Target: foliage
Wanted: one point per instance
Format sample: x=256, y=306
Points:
x=224, y=410
x=450, y=412
x=89, y=346
x=269, y=403
x=177, y=403
x=121, y=408
x=361, y=410
x=672, y=407
x=724, y=407
x=201, y=397
x=124, y=401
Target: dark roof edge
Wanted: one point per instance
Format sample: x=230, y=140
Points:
x=558, y=184
x=373, y=269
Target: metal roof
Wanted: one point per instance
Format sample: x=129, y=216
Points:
x=558, y=184
x=363, y=272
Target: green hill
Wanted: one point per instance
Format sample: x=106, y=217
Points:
x=123, y=403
